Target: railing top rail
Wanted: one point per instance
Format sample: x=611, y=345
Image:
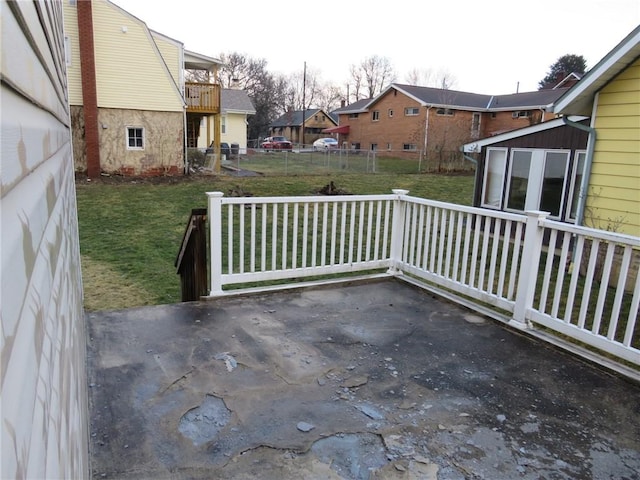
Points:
x=592, y=232
x=308, y=199
x=467, y=209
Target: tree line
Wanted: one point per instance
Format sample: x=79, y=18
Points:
x=273, y=94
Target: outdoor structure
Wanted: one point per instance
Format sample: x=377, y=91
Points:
x=132, y=112
x=609, y=94
x=45, y=420
x=236, y=107
x=414, y=120
x=315, y=120
x=532, y=168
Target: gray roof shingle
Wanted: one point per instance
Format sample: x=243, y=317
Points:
x=236, y=101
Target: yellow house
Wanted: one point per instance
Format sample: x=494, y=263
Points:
x=130, y=105
x=236, y=106
x=609, y=93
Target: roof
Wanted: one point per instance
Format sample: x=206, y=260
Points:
x=579, y=99
x=355, y=107
x=438, y=97
x=477, y=145
x=197, y=61
x=294, y=117
x=236, y=101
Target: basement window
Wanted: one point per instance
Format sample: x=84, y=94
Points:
x=409, y=146
x=135, y=138
x=445, y=111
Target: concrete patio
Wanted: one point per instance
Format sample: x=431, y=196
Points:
x=360, y=381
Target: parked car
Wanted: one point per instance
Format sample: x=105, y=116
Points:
x=276, y=143
x=325, y=144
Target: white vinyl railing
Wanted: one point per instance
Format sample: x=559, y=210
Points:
x=575, y=281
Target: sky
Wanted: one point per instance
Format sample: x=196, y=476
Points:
x=491, y=47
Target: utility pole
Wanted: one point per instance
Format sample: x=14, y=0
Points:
x=304, y=109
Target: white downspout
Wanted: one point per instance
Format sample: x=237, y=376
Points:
x=584, y=184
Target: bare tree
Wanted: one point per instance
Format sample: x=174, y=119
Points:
x=356, y=84
x=372, y=75
x=428, y=78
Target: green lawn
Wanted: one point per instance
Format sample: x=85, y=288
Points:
x=130, y=231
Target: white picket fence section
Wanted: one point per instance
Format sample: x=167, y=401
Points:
x=533, y=272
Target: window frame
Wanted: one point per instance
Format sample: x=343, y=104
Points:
x=128, y=137
x=375, y=115
x=409, y=147
x=505, y=152
x=445, y=112
x=574, y=185
x=411, y=111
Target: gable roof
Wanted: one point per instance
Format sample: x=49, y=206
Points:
x=455, y=99
x=355, y=107
x=476, y=146
x=579, y=99
x=236, y=101
x=294, y=117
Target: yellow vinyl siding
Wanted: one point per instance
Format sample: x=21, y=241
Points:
x=73, y=71
x=130, y=72
x=614, y=189
x=170, y=51
x=236, y=131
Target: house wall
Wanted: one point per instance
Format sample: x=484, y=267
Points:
x=44, y=399
x=613, y=200
x=235, y=130
x=499, y=122
x=393, y=131
x=171, y=51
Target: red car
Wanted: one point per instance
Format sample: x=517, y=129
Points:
x=276, y=143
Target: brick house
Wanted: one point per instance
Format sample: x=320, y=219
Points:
x=289, y=124
x=413, y=120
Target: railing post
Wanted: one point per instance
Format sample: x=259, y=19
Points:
x=397, y=230
x=215, y=237
x=527, y=276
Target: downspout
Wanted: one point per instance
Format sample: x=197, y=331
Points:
x=584, y=184
x=426, y=131
x=475, y=181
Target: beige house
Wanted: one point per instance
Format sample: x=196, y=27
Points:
x=131, y=110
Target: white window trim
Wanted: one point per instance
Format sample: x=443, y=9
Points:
x=375, y=116
x=564, y=183
x=484, y=180
x=126, y=138
x=573, y=186
x=416, y=109
x=536, y=177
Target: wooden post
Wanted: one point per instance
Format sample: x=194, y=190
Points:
x=215, y=238
x=527, y=276
x=397, y=230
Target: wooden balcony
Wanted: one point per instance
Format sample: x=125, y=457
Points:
x=202, y=97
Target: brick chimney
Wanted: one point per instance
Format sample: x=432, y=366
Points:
x=89, y=93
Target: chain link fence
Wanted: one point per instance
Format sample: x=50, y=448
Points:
x=307, y=161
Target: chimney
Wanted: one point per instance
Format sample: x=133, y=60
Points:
x=235, y=83
x=89, y=93
x=342, y=103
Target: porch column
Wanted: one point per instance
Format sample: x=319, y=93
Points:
x=215, y=237
x=397, y=230
x=527, y=276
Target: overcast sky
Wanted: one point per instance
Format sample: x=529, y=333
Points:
x=490, y=46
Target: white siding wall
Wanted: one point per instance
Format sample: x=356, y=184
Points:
x=43, y=395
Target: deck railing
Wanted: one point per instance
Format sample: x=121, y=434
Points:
x=529, y=270
x=202, y=97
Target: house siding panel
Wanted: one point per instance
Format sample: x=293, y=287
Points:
x=43, y=394
x=74, y=80
x=617, y=116
x=170, y=51
x=130, y=72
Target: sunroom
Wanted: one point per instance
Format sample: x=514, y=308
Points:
x=534, y=168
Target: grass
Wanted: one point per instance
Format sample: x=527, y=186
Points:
x=130, y=231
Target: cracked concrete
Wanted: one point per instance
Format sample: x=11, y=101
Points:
x=363, y=381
